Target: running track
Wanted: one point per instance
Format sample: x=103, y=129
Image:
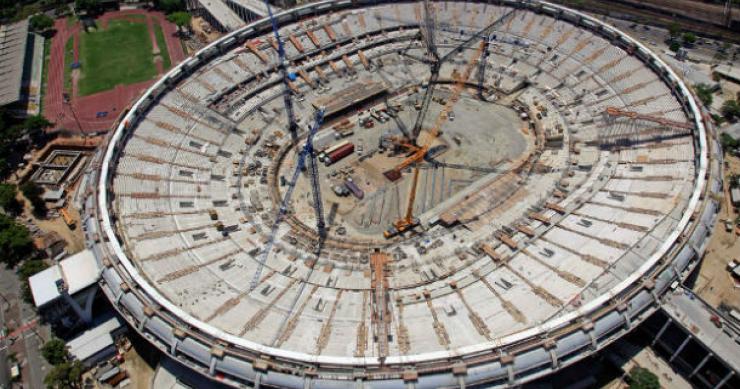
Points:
x=112, y=101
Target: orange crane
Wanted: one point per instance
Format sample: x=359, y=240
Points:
x=408, y=221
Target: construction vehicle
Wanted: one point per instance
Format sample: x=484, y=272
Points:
x=286, y=76
x=68, y=220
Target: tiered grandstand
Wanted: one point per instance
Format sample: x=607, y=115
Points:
x=516, y=269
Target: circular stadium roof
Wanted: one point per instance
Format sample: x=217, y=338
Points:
x=566, y=172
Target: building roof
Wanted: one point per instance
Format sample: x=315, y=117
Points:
x=76, y=272
x=732, y=73
x=13, y=39
x=45, y=285
x=228, y=18
x=94, y=340
x=257, y=7
x=80, y=271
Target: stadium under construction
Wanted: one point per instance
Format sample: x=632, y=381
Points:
x=387, y=194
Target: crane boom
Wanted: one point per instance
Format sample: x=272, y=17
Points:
x=285, y=203
x=283, y=66
x=435, y=66
x=408, y=221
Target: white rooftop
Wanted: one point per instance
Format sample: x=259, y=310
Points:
x=44, y=285
x=77, y=272
x=80, y=271
x=94, y=340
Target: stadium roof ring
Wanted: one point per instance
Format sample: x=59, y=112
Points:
x=600, y=208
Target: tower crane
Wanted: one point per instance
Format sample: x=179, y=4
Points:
x=408, y=221
x=283, y=66
x=435, y=65
x=306, y=151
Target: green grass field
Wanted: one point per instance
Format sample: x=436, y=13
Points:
x=166, y=63
x=120, y=54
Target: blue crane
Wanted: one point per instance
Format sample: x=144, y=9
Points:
x=283, y=66
x=306, y=151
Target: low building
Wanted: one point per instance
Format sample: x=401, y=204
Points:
x=64, y=293
x=97, y=343
x=21, y=64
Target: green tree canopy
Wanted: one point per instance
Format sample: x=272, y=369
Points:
x=65, y=375
x=641, y=378
x=89, y=6
x=704, y=92
x=26, y=270
x=55, y=351
x=674, y=30
x=33, y=193
x=181, y=19
x=728, y=142
x=674, y=46
x=689, y=38
x=15, y=241
x=40, y=22
x=730, y=109
x=170, y=6
x=8, y=200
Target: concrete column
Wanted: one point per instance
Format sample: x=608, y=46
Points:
x=662, y=330
x=700, y=365
x=725, y=379
x=257, y=380
x=680, y=348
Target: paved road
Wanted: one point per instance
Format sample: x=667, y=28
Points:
x=26, y=344
x=4, y=367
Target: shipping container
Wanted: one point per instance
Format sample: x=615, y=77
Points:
x=340, y=153
x=336, y=147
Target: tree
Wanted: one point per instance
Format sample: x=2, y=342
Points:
x=674, y=46
x=728, y=142
x=65, y=375
x=689, y=38
x=33, y=193
x=641, y=378
x=40, y=22
x=28, y=269
x=55, y=351
x=15, y=241
x=89, y=6
x=169, y=6
x=180, y=19
x=674, y=30
x=730, y=110
x=8, y=199
x=704, y=92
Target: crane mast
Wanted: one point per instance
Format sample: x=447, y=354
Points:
x=285, y=203
x=409, y=221
x=283, y=67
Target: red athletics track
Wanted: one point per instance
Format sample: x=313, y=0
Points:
x=112, y=101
